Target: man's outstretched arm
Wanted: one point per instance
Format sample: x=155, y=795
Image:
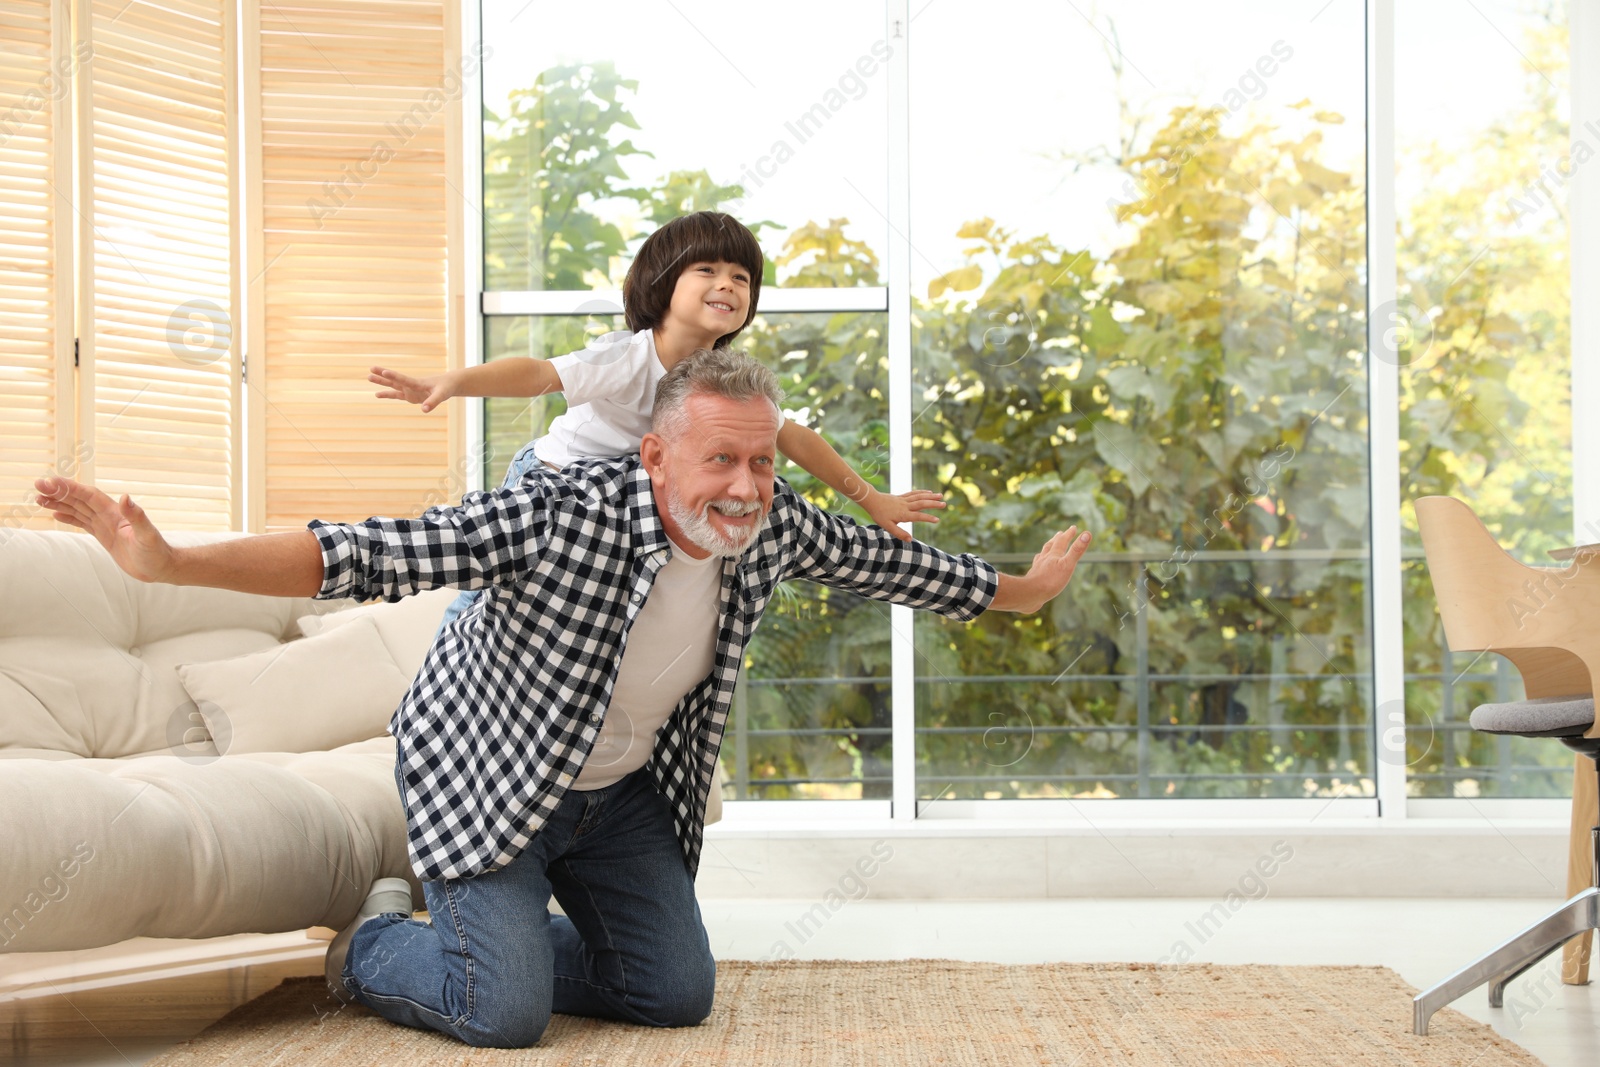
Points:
x=282, y=564
x=838, y=552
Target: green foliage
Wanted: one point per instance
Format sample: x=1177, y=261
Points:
x=546, y=163
x=822, y=257
x=1200, y=388
x=1484, y=254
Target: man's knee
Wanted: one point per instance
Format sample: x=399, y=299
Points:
x=686, y=1000
x=505, y=1026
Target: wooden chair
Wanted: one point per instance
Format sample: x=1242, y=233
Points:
x=1546, y=621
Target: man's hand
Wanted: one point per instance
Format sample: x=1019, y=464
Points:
x=1051, y=571
x=120, y=526
x=890, y=511
x=429, y=392
x=280, y=564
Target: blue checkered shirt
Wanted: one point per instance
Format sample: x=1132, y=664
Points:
x=511, y=697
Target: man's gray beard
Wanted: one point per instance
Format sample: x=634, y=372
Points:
x=698, y=529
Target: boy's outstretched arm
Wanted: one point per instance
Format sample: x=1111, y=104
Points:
x=503, y=377
x=807, y=448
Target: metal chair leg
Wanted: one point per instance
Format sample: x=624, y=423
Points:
x=1497, y=988
x=1576, y=916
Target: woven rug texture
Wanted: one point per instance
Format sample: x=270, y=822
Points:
x=916, y=1013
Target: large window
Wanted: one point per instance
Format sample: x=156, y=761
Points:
x=591, y=140
x=1111, y=263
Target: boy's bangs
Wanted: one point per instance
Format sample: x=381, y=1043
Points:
x=720, y=238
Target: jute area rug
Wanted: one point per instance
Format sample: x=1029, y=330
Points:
x=917, y=1013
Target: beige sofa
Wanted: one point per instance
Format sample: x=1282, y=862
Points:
x=123, y=818
x=192, y=763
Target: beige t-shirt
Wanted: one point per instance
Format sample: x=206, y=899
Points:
x=671, y=647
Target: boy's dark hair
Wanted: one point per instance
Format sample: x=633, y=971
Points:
x=703, y=237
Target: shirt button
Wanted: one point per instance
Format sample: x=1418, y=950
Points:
x=594, y=717
x=637, y=598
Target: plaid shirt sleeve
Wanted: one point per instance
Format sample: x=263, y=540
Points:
x=838, y=551
x=491, y=538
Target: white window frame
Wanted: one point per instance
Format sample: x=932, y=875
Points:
x=1383, y=408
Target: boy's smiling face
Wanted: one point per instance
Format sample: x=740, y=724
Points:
x=711, y=298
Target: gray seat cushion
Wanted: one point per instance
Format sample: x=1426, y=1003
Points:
x=1540, y=717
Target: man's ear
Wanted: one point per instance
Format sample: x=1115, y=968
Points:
x=653, y=455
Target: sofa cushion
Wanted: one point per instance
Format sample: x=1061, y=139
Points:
x=406, y=626
x=87, y=654
x=98, y=851
x=313, y=694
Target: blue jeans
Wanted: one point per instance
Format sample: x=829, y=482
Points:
x=521, y=463
x=493, y=963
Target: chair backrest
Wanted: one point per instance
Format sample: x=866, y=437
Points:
x=1545, y=620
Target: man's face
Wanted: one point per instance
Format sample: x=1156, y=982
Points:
x=712, y=297
x=716, y=479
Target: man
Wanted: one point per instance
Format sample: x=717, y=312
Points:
x=620, y=596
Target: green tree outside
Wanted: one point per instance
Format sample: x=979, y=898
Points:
x=1196, y=398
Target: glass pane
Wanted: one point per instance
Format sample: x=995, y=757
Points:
x=811, y=713
x=511, y=422
x=1057, y=719
x=593, y=137
x=1480, y=335
x=1146, y=316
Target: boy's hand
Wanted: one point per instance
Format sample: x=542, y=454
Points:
x=429, y=392
x=890, y=511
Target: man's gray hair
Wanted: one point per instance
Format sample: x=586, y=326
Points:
x=713, y=372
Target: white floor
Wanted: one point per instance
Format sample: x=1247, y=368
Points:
x=1422, y=940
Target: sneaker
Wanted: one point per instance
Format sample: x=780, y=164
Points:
x=386, y=895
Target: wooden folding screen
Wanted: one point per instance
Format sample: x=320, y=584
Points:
x=178, y=259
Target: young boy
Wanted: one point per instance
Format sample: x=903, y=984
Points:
x=694, y=284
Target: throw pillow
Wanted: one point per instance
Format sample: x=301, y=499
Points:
x=406, y=626
x=309, y=695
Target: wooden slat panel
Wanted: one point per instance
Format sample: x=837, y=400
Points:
x=159, y=316
x=34, y=281
x=353, y=254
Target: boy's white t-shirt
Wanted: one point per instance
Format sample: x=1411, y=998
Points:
x=610, y=388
